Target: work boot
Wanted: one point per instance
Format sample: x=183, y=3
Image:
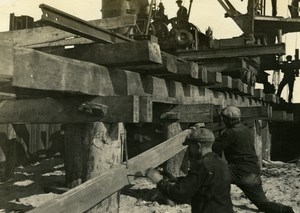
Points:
x=287, y=209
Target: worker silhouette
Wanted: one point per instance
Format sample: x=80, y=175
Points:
x=182, y=14
x=290, y=72
x=159, y=15
x=294, y=8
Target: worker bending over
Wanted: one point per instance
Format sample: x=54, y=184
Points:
x=207, y=184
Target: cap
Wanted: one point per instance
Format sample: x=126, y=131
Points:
x=160, y=5
x=179, y=1
x=200, y=135
x=289, y=57
x=231, y=112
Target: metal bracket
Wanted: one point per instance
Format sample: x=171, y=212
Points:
x=72, y=24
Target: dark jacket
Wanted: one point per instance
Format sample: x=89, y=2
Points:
x=207, y=186
x=238, y=146
x=182, y=13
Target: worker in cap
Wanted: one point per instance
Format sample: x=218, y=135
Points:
x=290, y=72
x=182, y=14
x=159, y=15
x=207, y=184
x=237, y=143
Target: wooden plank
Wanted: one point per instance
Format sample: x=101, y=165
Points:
x=168, y=66
x=114, y=23
x=117, y=55
x=220, y=65
x=259, y=94
x=289, y=116
x=261, y=112
x=279, y=115
x=226, y=84
x=244, y=51
x=214, y=77
x=7, y=96
x=6, y=58
x=238, y=85
x=37, y=70
x=191, y=113
x=77, y=110
x=50, y=36
x=90, y=193
x=270, y=98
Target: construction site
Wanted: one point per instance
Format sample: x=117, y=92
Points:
x=87, y=107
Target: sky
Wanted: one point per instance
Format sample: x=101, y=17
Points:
x=204, y=13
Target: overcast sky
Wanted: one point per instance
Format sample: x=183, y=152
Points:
x=204, y=13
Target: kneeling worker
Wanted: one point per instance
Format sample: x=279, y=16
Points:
x=207, y=184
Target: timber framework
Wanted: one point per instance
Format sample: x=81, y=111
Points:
x=102, y=86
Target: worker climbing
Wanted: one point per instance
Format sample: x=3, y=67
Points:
x=290, y=72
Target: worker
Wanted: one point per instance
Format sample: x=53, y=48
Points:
x=274, y=8
x=159, y=15
x=288, y=78
x=207, y=183
x=294, y=7
x=236, y=142
x=182, y=14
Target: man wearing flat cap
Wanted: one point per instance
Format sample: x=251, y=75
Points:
x=237, y=143
x=207, y=184
x=182, y=13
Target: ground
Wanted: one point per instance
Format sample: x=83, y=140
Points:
x=30, y=188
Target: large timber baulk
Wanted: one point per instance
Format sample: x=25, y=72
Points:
x=97, y=88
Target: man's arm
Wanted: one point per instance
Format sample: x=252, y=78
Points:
x=222, y=142
x=186, y=187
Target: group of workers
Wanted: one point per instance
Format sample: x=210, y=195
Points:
x=207, y=184
x=253, y=7
x=182, y=13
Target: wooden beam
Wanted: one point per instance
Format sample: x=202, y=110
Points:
x=245, y=51
x=261, y=112
x=259, y=94
x=226, y=84
x=77, y=110
x=279, y=116
x=214, y=77
x=167, y=66
x=37, y=70
x=90, y=193
x=235, y=64
x=271, y=98
x=114, y=23
x=7, y=96
x=117, y=55
x=6, y=58
x=191, y=113
x=289, y=116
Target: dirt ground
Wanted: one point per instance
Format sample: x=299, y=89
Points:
x=29, y=189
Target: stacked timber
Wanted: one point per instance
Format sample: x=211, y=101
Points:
x=94, y=84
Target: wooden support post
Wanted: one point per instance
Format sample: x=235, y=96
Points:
x=258, y=139
x=91, y=150
x=175, y=164
x=266, y=141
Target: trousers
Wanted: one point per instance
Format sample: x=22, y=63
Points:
x=251, y=185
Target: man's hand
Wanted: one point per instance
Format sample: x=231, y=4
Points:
x=154, y=175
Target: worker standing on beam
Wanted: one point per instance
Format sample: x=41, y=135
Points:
x=237, y=144
x=207, y=184
x=182, y=14
x=290, y=73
